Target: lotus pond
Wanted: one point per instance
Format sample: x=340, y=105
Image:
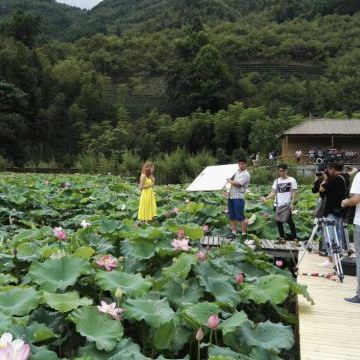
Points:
x=80, y=279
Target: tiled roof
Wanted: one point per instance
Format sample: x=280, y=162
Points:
x=326, y=127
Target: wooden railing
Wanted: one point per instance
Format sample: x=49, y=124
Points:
x=304, y=160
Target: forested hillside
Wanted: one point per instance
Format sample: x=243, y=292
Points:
x=156, y=15
x=55, y=18
x=137, y=79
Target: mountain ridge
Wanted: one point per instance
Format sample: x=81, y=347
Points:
x=118, y=16
x=56, y=18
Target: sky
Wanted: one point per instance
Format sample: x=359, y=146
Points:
x=84, y=4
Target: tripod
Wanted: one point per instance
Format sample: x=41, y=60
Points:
x=332, y=243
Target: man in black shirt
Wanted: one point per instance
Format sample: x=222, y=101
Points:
x=335, y=187
x=319, y=211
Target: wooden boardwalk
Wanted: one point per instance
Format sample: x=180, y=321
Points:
x=330, y=329
x=269, y=246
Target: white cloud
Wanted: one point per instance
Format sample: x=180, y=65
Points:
x=84, y=4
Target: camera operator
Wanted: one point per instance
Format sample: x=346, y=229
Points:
x=355, y=201
x=319, y=211
x=334, y=186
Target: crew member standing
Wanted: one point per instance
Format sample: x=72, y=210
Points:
x=236, y=198
x=355, y=201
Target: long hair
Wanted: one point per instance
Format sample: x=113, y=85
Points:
x=146, y=168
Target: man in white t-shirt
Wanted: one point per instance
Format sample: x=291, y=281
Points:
x=236, y=198
x=284, y=190
x=355, y=201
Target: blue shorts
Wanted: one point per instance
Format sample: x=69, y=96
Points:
x=236, y=209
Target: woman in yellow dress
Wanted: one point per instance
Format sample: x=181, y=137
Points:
x=147, y=207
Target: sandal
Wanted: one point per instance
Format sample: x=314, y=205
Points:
x=280, y=241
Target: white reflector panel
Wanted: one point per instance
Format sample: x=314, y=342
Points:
x=213, y=178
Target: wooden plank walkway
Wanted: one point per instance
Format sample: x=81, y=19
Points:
x=330, y=329
x=287, y=250
x=265, y=244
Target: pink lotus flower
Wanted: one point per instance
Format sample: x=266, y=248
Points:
x=13, y=349
x=108, y=262
x=279, y=263
x=111, y=309
x=240, y=278
x=199, y=335
x=60, y=233
x=181, y=244
x=201, y=256
x=206, y=228
x=213, y=322
x=180, y=234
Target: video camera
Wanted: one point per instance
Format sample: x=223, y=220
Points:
x=322, y=169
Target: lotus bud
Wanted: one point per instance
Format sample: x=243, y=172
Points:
x=199, y=335
x=213, y=322
x=119, y=293
x=201, y=256
x=279, y=263
x=184, y=286
x=240, y=278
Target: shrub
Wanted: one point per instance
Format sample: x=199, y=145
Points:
x=180, y=167
x=222, y=157
x=266, y=176
x=238, y=154
x=263, y=176
x=3, y=163
x=172, y=168
x=98, y=164
x=199, y=161
x=131, y=164
x=42, y=164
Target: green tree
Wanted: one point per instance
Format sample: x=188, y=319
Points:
x=24, y=27
x=266, y=130
x=13, y=126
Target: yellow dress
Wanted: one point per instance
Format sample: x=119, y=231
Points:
x=147, y=206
